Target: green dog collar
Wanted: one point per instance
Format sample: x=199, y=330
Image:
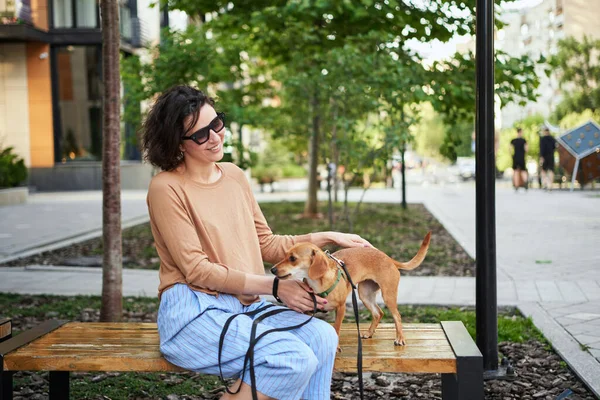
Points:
x=337, y=280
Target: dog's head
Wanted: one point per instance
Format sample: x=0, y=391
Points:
x=303, y=260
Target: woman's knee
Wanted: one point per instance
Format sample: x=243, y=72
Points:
x=297, y=360
x=326, y=338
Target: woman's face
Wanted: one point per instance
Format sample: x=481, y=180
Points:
x=212, y=150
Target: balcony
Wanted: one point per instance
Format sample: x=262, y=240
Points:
x=15, y=12
x=132, y=28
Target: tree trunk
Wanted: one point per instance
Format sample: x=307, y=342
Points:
x=335, y=156
x=310, y=208
x=112, y=266
x=332, y=172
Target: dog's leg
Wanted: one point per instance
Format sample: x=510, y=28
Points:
x=389, y=292
x=339, y=317
x=367, y=291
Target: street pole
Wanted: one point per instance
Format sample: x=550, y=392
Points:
x=485, y=192
x=403, y=173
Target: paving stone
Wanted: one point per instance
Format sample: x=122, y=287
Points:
x=580, y=328
x=566, y=321
x=549, y=292
x=588, y=340
x=585, y=316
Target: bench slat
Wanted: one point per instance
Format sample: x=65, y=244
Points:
x=134, y=347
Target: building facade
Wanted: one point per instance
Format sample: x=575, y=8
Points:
x=535, y=31
x=51, y=88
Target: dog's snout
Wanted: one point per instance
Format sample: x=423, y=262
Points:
x=274, y=270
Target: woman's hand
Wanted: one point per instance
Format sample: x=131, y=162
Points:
x=349, y=240
x=321, y=239
x=295, y=295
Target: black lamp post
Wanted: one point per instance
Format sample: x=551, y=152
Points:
x=486, y=293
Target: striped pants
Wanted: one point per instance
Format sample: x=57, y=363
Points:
x=288, y=365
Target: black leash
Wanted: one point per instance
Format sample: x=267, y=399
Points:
x=249, y=358
x=355, y=306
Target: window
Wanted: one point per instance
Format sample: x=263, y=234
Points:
x=86, y=13
x=63, y=14
x=75, y=14
x=125, y=22
x=79, y=102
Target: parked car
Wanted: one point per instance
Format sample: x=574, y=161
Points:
x=466, y=168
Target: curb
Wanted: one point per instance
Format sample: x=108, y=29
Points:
x=581, y=362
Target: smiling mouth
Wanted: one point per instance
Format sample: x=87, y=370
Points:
x=214, y=148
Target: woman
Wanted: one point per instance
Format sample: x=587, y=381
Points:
x=212, y=238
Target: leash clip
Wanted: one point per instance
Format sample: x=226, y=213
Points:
x=341, y=265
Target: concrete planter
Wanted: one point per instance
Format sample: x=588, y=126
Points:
x=12, y=196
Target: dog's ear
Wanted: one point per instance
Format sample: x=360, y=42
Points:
x=318, y=265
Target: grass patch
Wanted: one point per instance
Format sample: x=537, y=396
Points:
x=512, y=326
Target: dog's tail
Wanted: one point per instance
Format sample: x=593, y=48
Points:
x=418, y=258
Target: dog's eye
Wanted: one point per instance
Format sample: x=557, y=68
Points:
x=292, y=258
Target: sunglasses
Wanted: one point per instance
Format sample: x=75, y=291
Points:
x=202, y=135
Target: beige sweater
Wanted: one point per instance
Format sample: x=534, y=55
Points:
x=210, y=236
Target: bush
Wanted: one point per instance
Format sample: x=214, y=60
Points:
x=293, y=171
x=266, y=174
x=12, y=169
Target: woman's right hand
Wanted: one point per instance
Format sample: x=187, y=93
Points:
x=296, y=295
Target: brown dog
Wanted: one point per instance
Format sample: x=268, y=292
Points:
x=369, y=268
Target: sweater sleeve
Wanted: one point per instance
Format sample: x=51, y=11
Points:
x=272, y=247
x=178, y=241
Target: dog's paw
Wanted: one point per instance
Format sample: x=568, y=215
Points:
x=400, y=342
x=339, y=349
x=366, y=336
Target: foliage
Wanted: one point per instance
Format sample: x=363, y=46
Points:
x=458, y=138
x=574, y=119
x=276, y=162
x=266, y=173
x=241, y=156
x=299, y=41
x=576, y=64
x=453, y=93
x=192, y=57
x=293, y=171
x=531, y=133
x=134, y=91
x=429, y=132
x=12, y=169
x=453, y=83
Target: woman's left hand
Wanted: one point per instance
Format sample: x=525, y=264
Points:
x=350, y=240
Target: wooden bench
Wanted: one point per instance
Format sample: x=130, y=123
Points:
x=61, y=347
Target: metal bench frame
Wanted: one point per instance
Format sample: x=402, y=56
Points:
x=465, y=384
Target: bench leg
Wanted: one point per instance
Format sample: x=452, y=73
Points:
x=466, y=384
x=6, y=384
x=59, y=385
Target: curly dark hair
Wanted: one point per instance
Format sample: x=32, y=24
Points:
x=165, y=125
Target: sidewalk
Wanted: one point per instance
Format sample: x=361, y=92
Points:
x=53, y=220
x=547, y=260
